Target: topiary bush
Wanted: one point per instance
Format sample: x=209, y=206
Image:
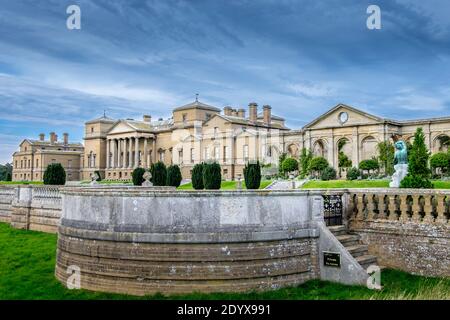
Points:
x=440, y=161
x=369, y=165
x=159, y=174
x=329, y=173
x=174, y=176
x=197, y=176
x=55, y=174
x=137, y=176
x=289, y=165
x=212, y=176
x=252, y=175
x=352, y=174
x=317, y=165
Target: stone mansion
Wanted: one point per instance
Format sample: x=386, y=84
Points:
x=198, y=132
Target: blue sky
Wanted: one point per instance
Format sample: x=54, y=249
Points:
x=134, y=57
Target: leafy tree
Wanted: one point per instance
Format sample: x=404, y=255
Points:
x=418, y=172
x=386, y=151
x=252, y=175
x=99, y=175
x=197, y=176
x=328, y=173
x=55, y=174
x=369, y=165
x=317, y=165
x=174, y=176
x=281, y=158
x=159, y=174
x=440, y=161
x=353, y=174
x=8, y=176
x=4, y=171
x=137, y=176
x=444, y=141
x=212, y=176
x=304, y=160
x=343, y=160
x=289, y=165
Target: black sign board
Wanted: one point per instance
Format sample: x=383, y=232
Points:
x=332, y=259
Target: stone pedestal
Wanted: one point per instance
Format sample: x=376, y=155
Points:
x=401, y=170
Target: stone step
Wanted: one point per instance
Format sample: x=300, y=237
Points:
x=357, y=250
x=338, y=230
x=366, y=260
x=348, y=240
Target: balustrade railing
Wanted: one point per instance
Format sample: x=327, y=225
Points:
x=406, y=205
x=47, y=194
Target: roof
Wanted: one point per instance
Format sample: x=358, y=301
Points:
x=145, y=126
x=56, y=144
x=103, y=118
x=247, y=122
x=273, y=117
x=197, y=105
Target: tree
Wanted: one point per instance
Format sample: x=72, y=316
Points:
x=55, y=174
x=252, y=175
x=304, y=160
x=418, y=172
x=317, y=165
x=328, y=173
x=369, y=165
x=281, y=158
x=439, y=161
x=99, y=175
x=212, y=177
x=159, y=174
x=5, y=172
x=289, y=165
x=197, y=176
x=353, y=174
x=174, y=176
x=138, y=176
x=386, y=153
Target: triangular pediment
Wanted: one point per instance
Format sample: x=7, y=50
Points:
x=121, y=127
x=343, y=115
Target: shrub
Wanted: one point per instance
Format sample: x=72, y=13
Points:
x=418, y=172
x=8, y=176
x=440, y=161
x=318, y=164
x=369, y=165
x=352, y=174
x=212, y=176
x=252, y=175
x=174, y=176
x=386, y=151
x=304, y=161
x=328, y=173
x=137, y=176
x=289, y=165
x=55, y=174
x=99, y=175
x=159, y=174
x=281, y=158
x=197, y=176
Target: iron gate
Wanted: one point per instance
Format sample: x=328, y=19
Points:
x=332, y=205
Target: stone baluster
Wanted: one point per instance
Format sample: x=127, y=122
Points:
x=428, y=209
x=403, y=208
x=415, y=209
x=382, y=214
x=440, y=208
x=370, y=207
x=360, y=206
x=392, y=208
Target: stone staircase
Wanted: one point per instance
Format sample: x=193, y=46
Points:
x=354, y=246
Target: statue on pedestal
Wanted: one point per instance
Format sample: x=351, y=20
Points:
x=94, y=178
x=400, y=162
x=147, y=176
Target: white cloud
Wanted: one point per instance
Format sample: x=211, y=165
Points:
x=311, y=90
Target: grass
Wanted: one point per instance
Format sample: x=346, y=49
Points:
x=333, y=184
x=227, y=185
x=20, y=182
x=27, y=261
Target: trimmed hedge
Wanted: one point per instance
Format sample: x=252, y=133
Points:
x=289, y=165
x=353, y=174
x=174, y=176
x=137, y=176
x=197, y=176
x=212, y=176
x=252, y=175
x=55, y=174
x=328, y=173
x=159, y=174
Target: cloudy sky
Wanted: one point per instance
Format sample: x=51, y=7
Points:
x=148, y=56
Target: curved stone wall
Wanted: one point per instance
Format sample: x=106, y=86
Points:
x=140, y=241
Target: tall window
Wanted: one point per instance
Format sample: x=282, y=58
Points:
x=226, y=153
x=184, y=117
x=161, y=155
x=180, y=156
x=192, y=155
x=69, y=164
x=37, y=163
x=245, y=153
x=216, y=153
x=207, y=154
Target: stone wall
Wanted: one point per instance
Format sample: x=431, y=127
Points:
x=406, y=229
x=7, y=194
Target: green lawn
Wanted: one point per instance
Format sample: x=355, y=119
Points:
x=21, y=182
x=27, y=261
x=332, y=184
x=227, y=185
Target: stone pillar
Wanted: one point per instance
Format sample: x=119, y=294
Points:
x=107, y=154
x=154, y=150
x=136, y=152
x=145, y=158
x=119, y=151
x=130, y=153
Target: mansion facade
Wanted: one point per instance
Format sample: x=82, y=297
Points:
x=198, y=132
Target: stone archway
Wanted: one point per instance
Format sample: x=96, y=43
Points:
x=319, y=149
x=441, y=143
x=293, y=150
x=368, y=148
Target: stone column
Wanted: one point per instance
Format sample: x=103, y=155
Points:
x=136, y=152
x=154, y=150
x=113, y=151
x=119, y=151
x=145, y=153
x=107, y=153
x=130, y=153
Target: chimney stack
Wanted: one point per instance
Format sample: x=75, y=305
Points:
x=41, y=137
x=253, y=111
x=241, y=113
x=53, y=137
x=267, y=114
x=227, y=111
x=66, y=138
x=147, y=118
